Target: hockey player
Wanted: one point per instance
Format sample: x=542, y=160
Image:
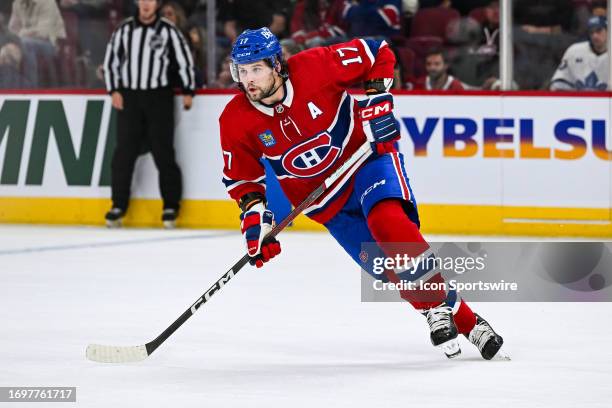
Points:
x=585, y=64
x=298, y=115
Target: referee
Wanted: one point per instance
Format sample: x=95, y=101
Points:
x=137, y=75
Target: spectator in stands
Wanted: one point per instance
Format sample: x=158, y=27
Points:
x=224, y=79
x=174, y=12
x=11, y=59
x=13, y=70
x=5, y=35
x=488, y=18
x=471, y=60
x=197, y=38
x=438, y=77
x=474, y=40
x=238, y=15
x=290, y=48
x=581, y=14
x=93, y=29
x=317, y=22
x=585, y=64
x=583, y=11
x=541, y=35
x=372, y=18
x=599, y=8
x=39, y=24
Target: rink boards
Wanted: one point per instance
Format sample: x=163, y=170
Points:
x=505, y=163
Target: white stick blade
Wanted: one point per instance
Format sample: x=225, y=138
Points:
x=116, y=354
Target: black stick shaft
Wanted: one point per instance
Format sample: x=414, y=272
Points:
x=363, y=152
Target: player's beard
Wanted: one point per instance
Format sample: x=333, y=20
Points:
x=262, y=93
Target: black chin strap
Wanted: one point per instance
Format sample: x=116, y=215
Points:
x=272, y=92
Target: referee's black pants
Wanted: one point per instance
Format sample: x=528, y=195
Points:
x=146, y=116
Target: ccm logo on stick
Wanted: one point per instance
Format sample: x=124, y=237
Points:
x=217, y=286
x=373, y=112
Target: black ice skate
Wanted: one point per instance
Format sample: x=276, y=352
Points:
x=488, y=342
x=169, y=218
x=443, y=329
x=114, y=217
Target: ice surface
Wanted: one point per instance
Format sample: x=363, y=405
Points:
x=294, y=334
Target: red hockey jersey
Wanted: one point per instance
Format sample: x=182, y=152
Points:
x=308, y=134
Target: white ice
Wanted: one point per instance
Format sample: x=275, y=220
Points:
x=294, y=334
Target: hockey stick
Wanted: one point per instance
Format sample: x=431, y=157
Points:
x=128, y=354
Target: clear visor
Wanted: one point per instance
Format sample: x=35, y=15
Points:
x=234, y=68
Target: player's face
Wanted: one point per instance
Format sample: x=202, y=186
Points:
x=258, y=80
x=435, y=66
x=599, y=39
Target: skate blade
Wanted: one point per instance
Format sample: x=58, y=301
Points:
x=501, y=355
x=451, y=348
x=169, y=224
x=113, y=224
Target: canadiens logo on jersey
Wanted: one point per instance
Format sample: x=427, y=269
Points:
x=267, y=138
x=318, y=153
x=312, y=157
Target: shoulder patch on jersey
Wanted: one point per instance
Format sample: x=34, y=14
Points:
x=156, y=42
x=267, y=138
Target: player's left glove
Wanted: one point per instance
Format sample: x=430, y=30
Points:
x=379, y=124
x=255, y=224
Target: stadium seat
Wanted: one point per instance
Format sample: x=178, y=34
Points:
x=407, y=60
x=433, y=22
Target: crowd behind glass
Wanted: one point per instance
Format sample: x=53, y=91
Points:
x=439, y=44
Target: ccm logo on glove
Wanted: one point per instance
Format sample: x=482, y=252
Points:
x=376, y=111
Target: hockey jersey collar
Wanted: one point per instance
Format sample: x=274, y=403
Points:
x=287, y=100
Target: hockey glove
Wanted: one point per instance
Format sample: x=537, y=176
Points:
x=379, y=124
x=255, y=223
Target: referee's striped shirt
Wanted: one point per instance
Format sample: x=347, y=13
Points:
x=138, y=56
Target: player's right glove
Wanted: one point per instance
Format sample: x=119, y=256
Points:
x=255, y=224
x=379, y=124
